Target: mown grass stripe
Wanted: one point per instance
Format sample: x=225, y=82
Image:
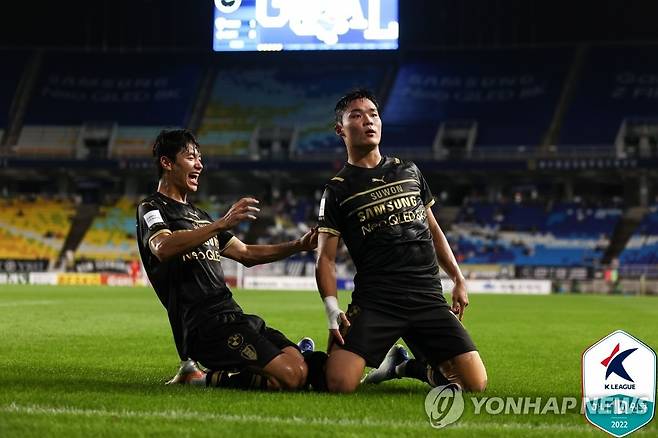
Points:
x=295, y=420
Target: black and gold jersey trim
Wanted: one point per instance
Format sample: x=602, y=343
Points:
x=231, y=241
x=329, y=230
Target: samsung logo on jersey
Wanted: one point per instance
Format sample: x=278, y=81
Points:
x=389, y=206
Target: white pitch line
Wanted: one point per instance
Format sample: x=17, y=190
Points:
x=256, y=419
x=25, y=303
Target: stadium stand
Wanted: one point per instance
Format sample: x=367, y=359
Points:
x=33, y=228
x=105, y=104
x=114, y=103
x=134, y=141
x=532, y=235
x=617, y=83
x=642, y=248
x=111, y=235
x=295, y=101
x=508, y=96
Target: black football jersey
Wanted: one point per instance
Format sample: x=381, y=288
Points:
x=190, y=286
x=380, y=213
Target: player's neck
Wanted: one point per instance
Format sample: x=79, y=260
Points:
x=171, y=191
x=360, y=158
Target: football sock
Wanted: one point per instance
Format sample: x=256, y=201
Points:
x=317, y=377
x=412, y=368
x=236, y=380
x=436, y=378
x=420, y=370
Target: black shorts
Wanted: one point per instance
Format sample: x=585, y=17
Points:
x=432, y=333
x=235, y=341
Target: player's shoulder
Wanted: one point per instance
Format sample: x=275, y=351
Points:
x=398, y=162
x=150, y=199
x=401, y=167
x=153, y=201
x=339, y=180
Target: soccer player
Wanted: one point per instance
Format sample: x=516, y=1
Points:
x=181, y=247
x=381, y=208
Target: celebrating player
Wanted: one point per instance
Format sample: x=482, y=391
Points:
x=381, y=208
x=181, y=246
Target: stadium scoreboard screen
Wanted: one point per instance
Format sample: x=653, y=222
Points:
x=273, y=25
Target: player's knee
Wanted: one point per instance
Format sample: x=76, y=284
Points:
x=292, y=377
x=476, y=385
x=340, y=384
x=303, y=374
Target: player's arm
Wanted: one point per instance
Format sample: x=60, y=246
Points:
x=449, y=264
x=325, y=276
x=167, y=244
x=250, y=255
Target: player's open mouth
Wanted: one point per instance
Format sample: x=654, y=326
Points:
x=194, y=178
x=371, y=132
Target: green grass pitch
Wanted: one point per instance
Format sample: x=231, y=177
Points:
x=91, y=361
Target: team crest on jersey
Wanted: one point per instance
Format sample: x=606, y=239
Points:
x=249, y=352
x=235, y=341
x=353, y=311
x=619, y=384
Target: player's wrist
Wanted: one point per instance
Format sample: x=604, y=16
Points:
x=332, y=310
x=221, y=225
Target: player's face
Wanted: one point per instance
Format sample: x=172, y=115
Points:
x=361, y=125
x=187, y=169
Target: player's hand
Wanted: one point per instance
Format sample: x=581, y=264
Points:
x=336, y=334
x=309, y=241
x=459, y=298
x=241, y=211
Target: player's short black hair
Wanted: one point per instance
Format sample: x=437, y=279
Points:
x=343, y=102
x=169, y=143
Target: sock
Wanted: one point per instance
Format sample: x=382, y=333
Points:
x=317, y=377
x=420, y=370
x=436, y=378
x=235, y=380
x=412, y=368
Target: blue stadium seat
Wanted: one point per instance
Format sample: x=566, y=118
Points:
x=511, y=94
x=301, y=98
x=528, y=235
x=615, y=84
x=642, y=248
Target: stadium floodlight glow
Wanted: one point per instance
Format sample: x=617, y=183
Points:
x=267, y=25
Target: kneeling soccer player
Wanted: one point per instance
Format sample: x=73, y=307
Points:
x=181, y=246
x=381, y=208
